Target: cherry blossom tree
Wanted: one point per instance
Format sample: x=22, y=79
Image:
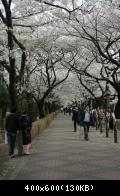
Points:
x=100, y=31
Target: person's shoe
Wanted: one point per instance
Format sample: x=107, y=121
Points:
x=26, y=153
x=11, y=156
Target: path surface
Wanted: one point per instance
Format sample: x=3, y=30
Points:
x=61, y=154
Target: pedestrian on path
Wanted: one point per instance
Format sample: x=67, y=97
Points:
x=87, y=121
x=75, y=118
x=25, y=127
x=95, y=117
x=11, y=126
x=4, y=121
x=101, y=117
x=112, y=120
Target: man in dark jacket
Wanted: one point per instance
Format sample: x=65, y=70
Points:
x=75, y=118
x=11, y=126
x=87, y=121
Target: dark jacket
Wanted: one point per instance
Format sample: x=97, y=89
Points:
x=25, y=122
x=25, y=127
x=91, y=119
x=12, y=123
x=75, y=116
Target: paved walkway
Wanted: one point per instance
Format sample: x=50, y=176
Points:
x=60, y=154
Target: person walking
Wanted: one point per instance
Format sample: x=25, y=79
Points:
x=25, y=127
x=11, y=126
x=112, y=120
x=75, y=118
x=87, y=120
x=101, y=117
x=4, y=121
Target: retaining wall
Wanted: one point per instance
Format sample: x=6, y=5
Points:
x=39, y=125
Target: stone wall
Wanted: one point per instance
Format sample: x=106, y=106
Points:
x=39, y=125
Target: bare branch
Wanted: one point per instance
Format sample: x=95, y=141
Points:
x=3, y=18
x=18, y=43
x=10, y=1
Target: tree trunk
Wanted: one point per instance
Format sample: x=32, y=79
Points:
x=12, y=71
x=46, y=108
x=117, y=109
x=40, y=105
x=13, y=91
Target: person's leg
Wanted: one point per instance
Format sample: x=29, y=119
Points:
x=101, y=126
x=85, y=132
x=88, y=127
x=13, y=139
x=26, y=149
x=96, y=123
x=9, y=143
x=75, y=126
